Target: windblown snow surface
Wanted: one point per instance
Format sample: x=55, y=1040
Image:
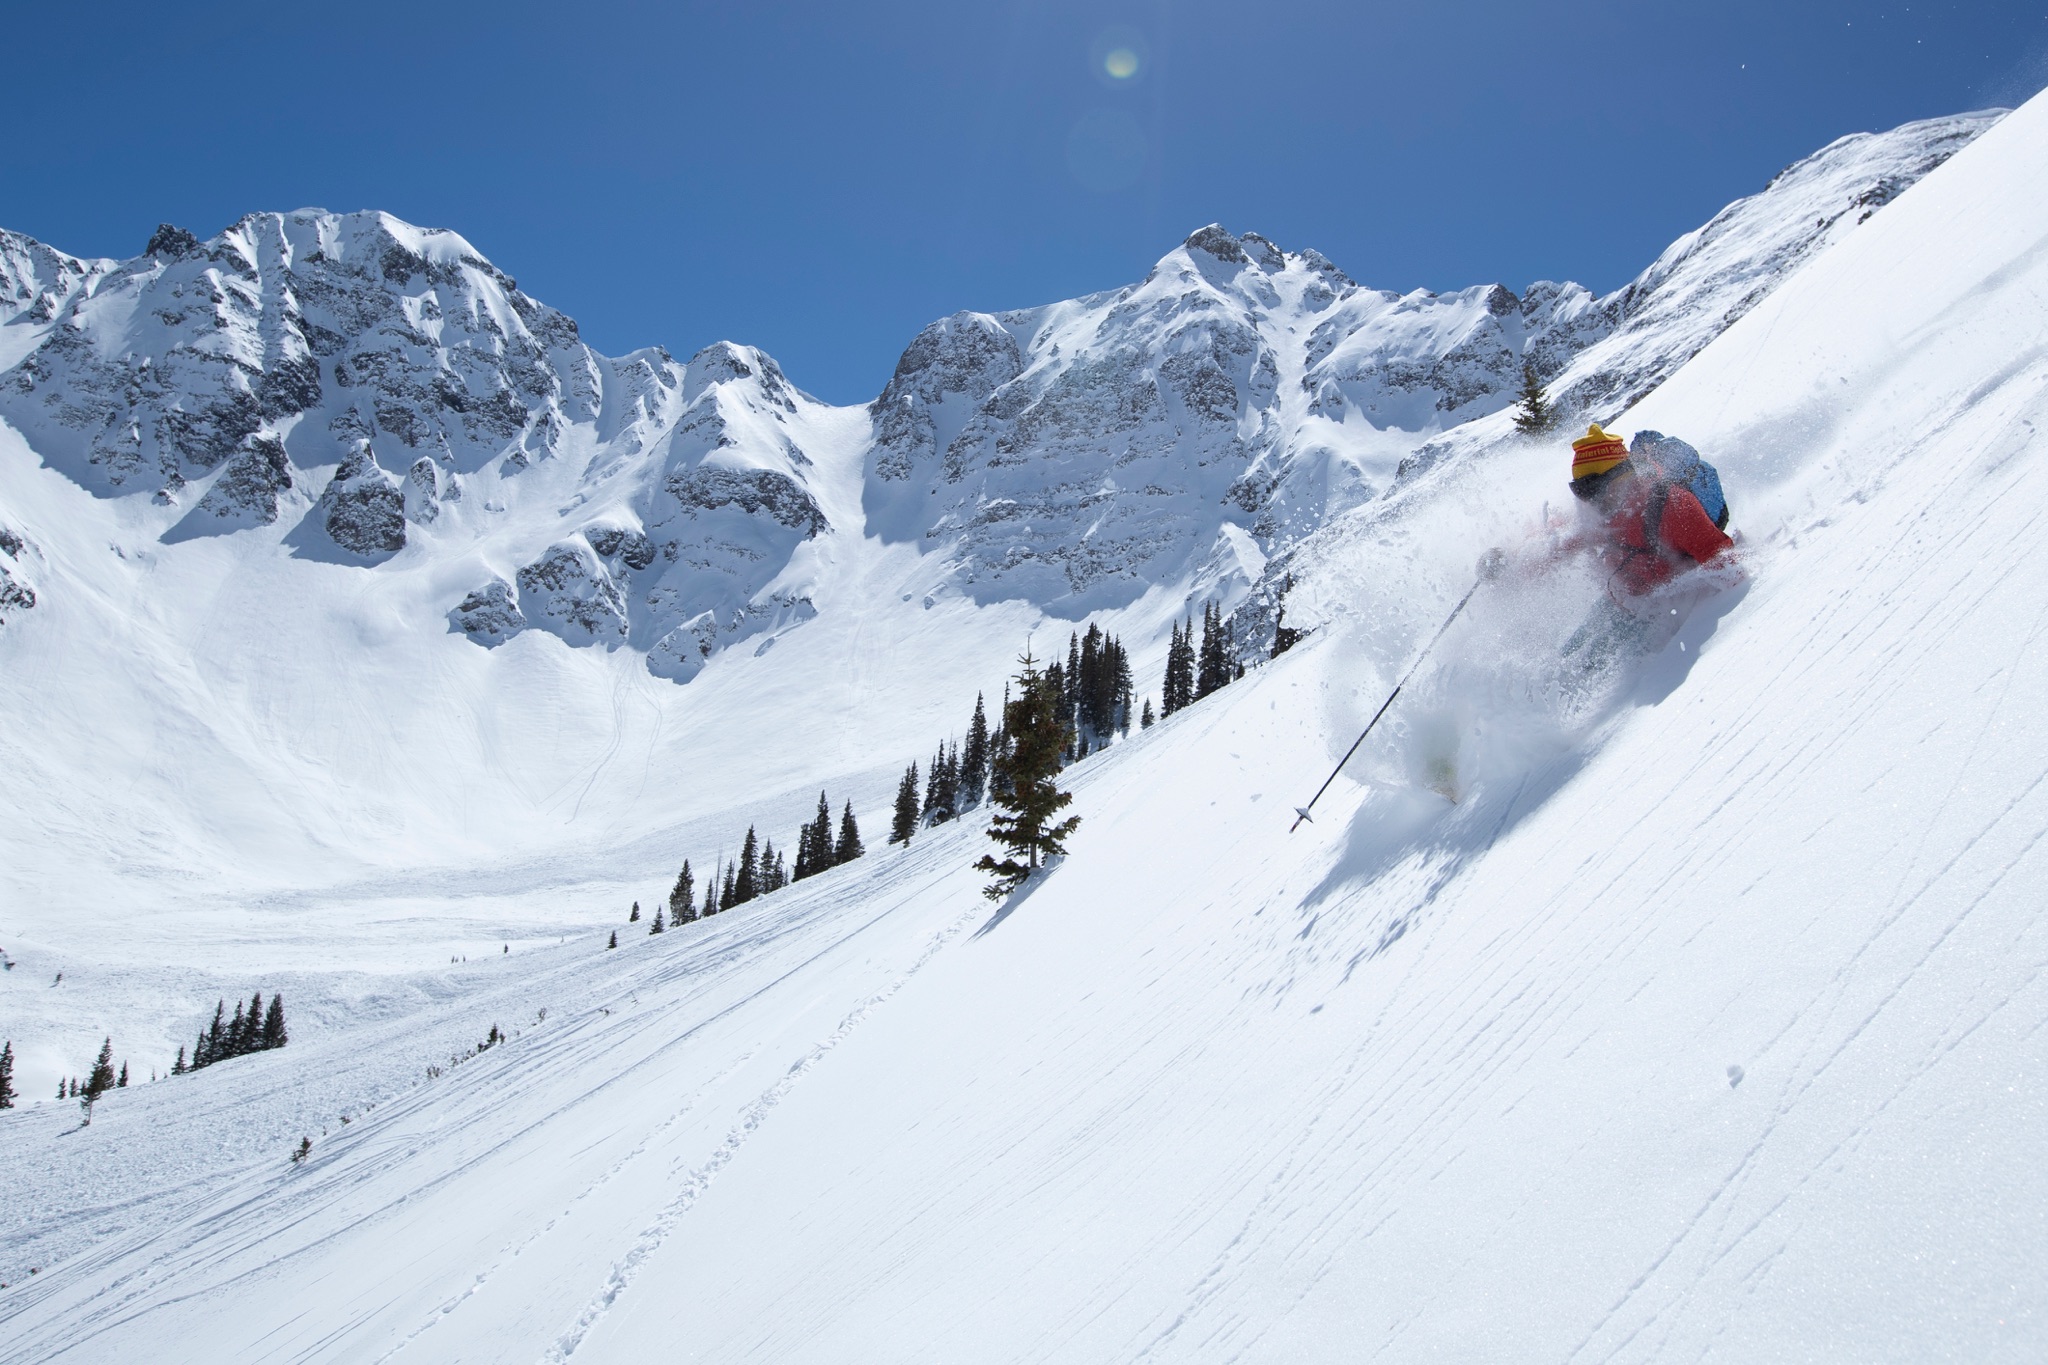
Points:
x=1709, y=1024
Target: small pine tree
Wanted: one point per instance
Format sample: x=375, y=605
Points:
x=7, y=1074
x=746, y=879
x=121, y=1081
x=711, y=888
x=1179, y=688
x=231, y=1040
x=682, y=901
x=102, y=1078
x=1146, y=720
x=250, y=1038
x=274, y=1034
x=1215, y=666
x=214, y=1040
x=974, y=759
x=615, y=940
x=1534, y=416
x=849, y=846
x=178, y=1068
x=905, y=822
x=658, y=926
x=634, y=918
x=1030, y=798
x=726, y=900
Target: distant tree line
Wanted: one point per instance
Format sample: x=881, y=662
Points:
x=1192, y=672
x=760, y=869
x=256, y=1028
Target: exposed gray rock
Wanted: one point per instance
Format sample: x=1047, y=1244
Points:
x=567, y=592
x=490, y=615
x=363, y=509
x=16, y=593
x=245, y=494
x=423, y=492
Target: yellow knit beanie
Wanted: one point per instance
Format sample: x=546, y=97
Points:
x=1596, y=452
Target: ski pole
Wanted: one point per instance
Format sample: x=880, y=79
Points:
x=1302, y=812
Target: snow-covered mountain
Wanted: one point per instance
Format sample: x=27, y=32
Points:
x=1709, y=1024
x=352, y=376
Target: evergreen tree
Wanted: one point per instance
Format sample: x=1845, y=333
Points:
x=1215, y=667
x=121, y=1081
x=905, y=823
x=1179, y=688
x=231, y=1040
x=614, y=941
x=102, y=1078
x=178, y=1068
x=942, y=791
x=746, y=881
x=849, y=846
x=7, y=1074
x=1146, y=720
x=974, y=759
x=682, y=900
x=249, y=1038
x=657, y=926
x=726, y=899
x=216, y=1036
x=274, y=1034
x=1534, y=415
x=814, y=842
x=1024, y=825
x=634, y=918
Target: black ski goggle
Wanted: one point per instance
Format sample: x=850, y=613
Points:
x=1590, y=487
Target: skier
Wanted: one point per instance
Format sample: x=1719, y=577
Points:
x=1642, y=524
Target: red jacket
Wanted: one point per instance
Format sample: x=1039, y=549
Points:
x=1686, y=535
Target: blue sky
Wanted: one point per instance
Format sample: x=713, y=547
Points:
x=822, y=180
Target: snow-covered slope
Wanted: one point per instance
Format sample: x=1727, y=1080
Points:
x=1709, y=1025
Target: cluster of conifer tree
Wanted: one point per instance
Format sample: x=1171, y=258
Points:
x=956, y=781
x=98, y=1081
x=1089, y=696
x=254, y=1029
x=761, y=868
x=1192, y=673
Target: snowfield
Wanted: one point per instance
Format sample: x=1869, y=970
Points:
x=1709, y=1024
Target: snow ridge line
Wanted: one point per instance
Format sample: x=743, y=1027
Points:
x=657, y=1232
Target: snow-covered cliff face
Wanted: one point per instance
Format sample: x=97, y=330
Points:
x=680, y=559
x=348, y=379
x=1184, y=428
x=219, y=376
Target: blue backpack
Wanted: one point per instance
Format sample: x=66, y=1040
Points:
x=1675, y=462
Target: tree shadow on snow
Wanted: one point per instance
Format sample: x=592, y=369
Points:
x=1019, y=896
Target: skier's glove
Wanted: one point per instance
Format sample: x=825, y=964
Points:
x=1492, y=565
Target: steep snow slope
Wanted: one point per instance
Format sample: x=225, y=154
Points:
x=1710, y=1025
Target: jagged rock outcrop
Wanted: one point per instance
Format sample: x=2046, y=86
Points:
x=489, y=615
x=568, y=592
x=362, y=509
x=16, y=592
x=316, y=329
x=246, y=492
